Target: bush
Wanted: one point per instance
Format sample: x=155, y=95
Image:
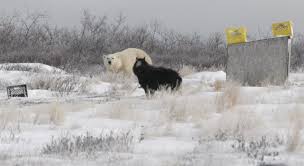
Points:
x=62, y=84
x=73, y=145
x=258, y=149
x=32, y=39
x=297, y=52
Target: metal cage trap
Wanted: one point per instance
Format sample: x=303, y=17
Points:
x=17, y=91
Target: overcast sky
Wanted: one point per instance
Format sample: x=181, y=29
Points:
x=203, y=16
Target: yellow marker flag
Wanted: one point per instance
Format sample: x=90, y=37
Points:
x=236, y=35
x=282, y=29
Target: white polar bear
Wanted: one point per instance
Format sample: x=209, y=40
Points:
x=123, y=61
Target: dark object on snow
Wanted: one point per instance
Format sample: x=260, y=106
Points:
x=153, y=78
x=17, y=91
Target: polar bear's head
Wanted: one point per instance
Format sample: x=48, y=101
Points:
x=112, y=62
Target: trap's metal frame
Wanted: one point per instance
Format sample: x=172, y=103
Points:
x=256, y=62
x=17, y=91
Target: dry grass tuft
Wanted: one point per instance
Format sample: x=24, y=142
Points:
x=175, y=110
x=56, y=114
x=187, y=70
x=237, y=123
x=53, y=113
x=8, y=116
x=121, y=83
x=89, y=144
x=64, y=84
x=11, y=117
x=122, y=110
x=116, y=77
x=190, y=109
x=296, y=121
x=118, y=110
x=218, y=85
x=229, y=97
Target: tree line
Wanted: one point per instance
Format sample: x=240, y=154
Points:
x=31, y=38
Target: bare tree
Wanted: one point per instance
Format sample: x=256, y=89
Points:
x=297, y=51
x=32, y=39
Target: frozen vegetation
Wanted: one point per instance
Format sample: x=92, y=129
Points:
x=106, y=119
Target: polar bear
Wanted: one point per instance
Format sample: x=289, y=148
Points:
x=123, y=61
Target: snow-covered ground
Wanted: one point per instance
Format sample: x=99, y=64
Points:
x=210, y=122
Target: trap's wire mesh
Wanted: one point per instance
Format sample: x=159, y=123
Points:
x=17, y=91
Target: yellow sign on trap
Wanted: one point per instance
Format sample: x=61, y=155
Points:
x=236, y=35
x=282, y=29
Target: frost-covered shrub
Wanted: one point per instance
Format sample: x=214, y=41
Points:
x=19, y=67
x=258, y=149
x=64, y=84
x=73, y=145
x=30, y=38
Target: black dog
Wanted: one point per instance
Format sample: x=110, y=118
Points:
x=153, y=78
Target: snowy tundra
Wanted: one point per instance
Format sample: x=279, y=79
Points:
x=107, y=120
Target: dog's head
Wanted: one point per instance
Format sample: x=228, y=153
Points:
x=140, y=62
